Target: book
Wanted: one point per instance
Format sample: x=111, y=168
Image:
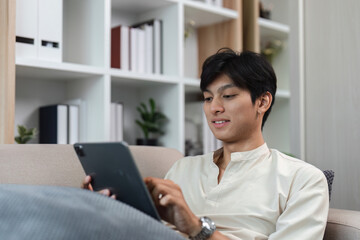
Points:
x=119, y=122
x=116, y=122
x=133, y=49
x=140, y=50
x=73, y=124
x=149, y=48
x=157, y=46
x=113, y=116
x=124, y=48
x=53, y=122
x=115, y=47
x=151, y=52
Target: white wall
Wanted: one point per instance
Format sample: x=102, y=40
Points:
x=332, y=94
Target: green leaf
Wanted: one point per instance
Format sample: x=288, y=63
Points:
x=152, y=105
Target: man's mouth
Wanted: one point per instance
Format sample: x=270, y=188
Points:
x=220, y=123
x=223, y=121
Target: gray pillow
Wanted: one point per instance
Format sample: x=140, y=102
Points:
x=48, y=212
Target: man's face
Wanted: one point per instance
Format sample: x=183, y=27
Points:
x=229, y=111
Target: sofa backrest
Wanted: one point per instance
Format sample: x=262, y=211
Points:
x=40, y=164
x=55, y=164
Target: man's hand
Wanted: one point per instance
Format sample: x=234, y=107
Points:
x=86, y=184
x=171, y=205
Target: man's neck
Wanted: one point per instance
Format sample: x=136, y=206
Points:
x=241, y=146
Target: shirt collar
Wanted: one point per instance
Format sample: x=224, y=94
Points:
x=249, y=155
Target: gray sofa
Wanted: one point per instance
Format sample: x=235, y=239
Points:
x=58, y=165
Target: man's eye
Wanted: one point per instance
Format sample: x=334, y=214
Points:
x=229, y=96
x=207, y=99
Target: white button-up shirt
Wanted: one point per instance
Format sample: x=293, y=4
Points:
x=263, y=194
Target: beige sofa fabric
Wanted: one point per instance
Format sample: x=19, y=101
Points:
x=50, y=164
x=58, y=165
x=40, y=164
x=342, y=224
x=160, y=159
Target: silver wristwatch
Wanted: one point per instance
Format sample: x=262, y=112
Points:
x=207, y=229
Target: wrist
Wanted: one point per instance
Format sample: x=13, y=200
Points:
x=196, y=227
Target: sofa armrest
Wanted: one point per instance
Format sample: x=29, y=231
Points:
x=342, y=224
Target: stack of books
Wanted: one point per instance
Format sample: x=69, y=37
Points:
x=137, y=48
x=59, y=124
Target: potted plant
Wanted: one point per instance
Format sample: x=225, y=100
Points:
x=150, y=123
x=25, y=135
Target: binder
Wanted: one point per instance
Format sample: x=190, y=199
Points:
x=39, y=29
x=50, y=30
x=26, y=28
x=53, y=121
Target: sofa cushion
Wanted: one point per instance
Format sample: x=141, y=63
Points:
x=342, y=225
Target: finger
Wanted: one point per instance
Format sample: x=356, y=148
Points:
x=86, y=182
x=105, y=192
x=113, y=196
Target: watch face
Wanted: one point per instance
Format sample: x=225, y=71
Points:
x=208, y=226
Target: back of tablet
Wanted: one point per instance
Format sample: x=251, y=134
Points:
x=111, y=166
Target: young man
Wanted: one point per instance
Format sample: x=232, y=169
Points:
x=244, y=190
x=248, y=190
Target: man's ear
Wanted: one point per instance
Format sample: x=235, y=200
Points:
x=264, y=102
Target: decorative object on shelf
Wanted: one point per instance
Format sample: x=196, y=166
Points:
x=25, y=134
x=265, y=12
x=189, y=28
x=271, y=48
x=151, y=123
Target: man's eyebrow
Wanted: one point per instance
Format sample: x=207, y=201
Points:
x=222, y=88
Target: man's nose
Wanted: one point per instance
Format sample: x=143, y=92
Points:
x=216, y=106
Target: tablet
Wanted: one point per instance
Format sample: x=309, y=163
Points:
x=112, y=166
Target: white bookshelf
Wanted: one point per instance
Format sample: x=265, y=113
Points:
x=84, y=74
x=277, y=129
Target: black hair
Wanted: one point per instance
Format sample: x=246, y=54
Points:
x=248, y=70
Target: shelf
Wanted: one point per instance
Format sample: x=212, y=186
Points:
x=140, y=79
x=30, y=68
x=192, y=82
x=273, y=29
x=139, y=6
x=205, y=14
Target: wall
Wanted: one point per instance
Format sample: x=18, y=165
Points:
x=332, y=84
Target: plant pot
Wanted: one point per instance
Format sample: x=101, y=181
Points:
x=147, y=142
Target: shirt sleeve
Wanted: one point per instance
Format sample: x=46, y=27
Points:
x=305, y=214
